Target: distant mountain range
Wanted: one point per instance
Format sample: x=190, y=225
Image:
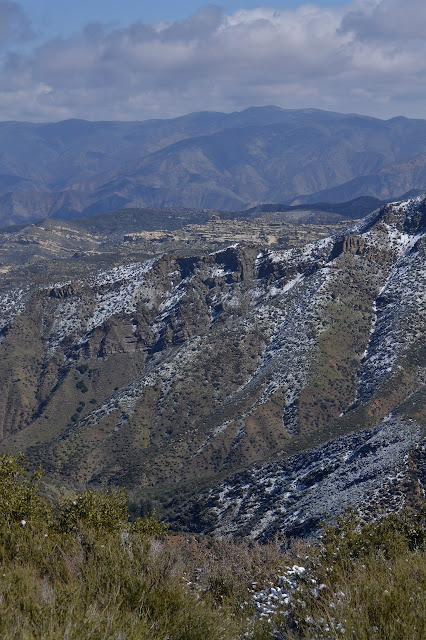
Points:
x=206, y=160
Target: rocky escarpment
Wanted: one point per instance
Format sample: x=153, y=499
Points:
x=65, y=291
x=152, y=373
x=349, y=244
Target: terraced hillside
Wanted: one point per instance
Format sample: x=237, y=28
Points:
x=167, y=374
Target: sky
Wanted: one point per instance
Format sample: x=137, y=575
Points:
x=133, y=59
x=59, y=17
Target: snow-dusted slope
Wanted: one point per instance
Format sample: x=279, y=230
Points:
x=294, y=495
x=175, y=368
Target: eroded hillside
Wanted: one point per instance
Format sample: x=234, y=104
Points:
x=158, y=373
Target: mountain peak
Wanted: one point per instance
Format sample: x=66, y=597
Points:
x=410, y=215
x=403, y=216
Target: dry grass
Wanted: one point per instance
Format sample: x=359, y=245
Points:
x=82, y=570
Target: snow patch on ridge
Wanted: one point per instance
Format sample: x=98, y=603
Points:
x=12, y=303
x=400, y=320
x=121, y=289
x=124, y=299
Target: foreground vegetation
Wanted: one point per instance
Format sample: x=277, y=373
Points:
x=82, y=570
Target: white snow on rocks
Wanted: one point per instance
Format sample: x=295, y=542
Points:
x=118, y=291
x=121, y=299
x=400, y=314
x=11, y=304
x=292, y=495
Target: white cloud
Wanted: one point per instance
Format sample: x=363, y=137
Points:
x=368, y=57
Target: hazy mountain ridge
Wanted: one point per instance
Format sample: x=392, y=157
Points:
x=396, y=178
x=206, y=160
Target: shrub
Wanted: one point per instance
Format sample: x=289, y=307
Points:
x=363, y=580
x=96, y=510
x=351, y=538
x=85, y=572
x=83, y=368
x=20, y=493
x=91, y=574
x=149, y=525
x=82, y=386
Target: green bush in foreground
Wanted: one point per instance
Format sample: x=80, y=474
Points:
x=96, y=510
x=20, y=493
x=81, y=570
x=86, y=572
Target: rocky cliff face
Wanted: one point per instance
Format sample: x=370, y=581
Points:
x=156, y=373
